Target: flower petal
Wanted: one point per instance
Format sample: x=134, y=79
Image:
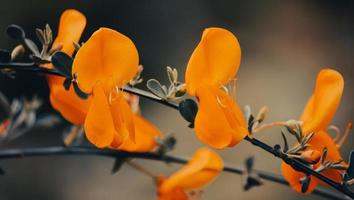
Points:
x=70, y=106
x=218, y=121
x=71, y=25
x=324, y=103
x=99, y=126
x=320, y=140
x=175, y=194
x=215, y=61
x=107, y=54
x=204, y=166
x=123, y=120
x=145, y=136
x=293, y=177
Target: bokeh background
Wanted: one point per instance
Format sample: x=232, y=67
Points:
x=284, y=45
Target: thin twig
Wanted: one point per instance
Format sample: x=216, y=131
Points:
x=72, y=151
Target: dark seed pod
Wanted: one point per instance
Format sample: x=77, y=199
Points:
x=5, y=56
x=79, y=92
x=15, y=32
x=62, y=62
x=188, y=109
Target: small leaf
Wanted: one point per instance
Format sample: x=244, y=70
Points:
x=350, y=171
x=62, y=62
x=249, y=163
x=188, y=109
x=248, y=112
x=5, y=56
x=5, y=110
x=166, y=144
x=79, y=92
x=117, y=165
x=32, y=46
x=40, y=35
x=67, y=83
x=250, y=123
x=324, y=155
x=155, y=87
x=39, y=60
x=286, y=145
x=15, y=32
x=293, y=132
x=19, y=50
x=252, y=180
x=305, y=183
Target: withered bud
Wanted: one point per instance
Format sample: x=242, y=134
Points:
x=17, y=51
x=292, y=124
x=311, y=156
x=262, y=114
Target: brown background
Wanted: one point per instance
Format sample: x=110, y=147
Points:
x=284, y=45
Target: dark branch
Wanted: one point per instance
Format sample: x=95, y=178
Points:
x=48, y=151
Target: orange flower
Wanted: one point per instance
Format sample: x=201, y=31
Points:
x=71, y=107
x=203, y=168
x=215, y=61
x=106, y=61
x=175, y=194
x=145, y=136
x=317, y=115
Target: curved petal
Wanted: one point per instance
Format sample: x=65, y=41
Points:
x=322, y=139
x=70, y=106
x=324, y=103
x=214, y=61
x=99, y=126
x=293, y=177
x=71, y=25
x=175, y=194
x=218, y=121
x=107, y=54
x=204, y=166
x=145, y=136
x=123, y=120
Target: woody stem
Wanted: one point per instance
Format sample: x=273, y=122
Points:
x=72, y=151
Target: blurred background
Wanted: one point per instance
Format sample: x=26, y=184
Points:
x=284, y=45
